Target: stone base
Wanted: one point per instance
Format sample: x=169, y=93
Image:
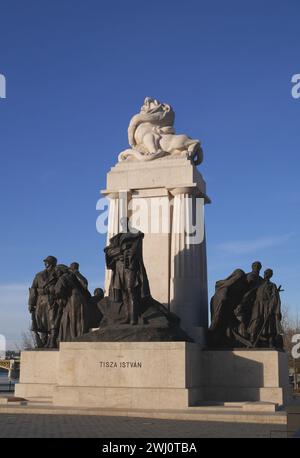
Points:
x=152, y=375
x=38, y=375
x=154, y=175
x=245, y=375
x=128, y=374
x=126, y=398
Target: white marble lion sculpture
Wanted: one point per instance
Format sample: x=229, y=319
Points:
x=151, y=135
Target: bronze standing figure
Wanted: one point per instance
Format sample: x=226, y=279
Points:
x=129, y=282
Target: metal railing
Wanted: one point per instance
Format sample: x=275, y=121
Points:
x=12, y=366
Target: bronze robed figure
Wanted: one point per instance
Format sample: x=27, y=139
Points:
x=73, y=301
x=129, y=282
x=59, y=303
x=265, y=327
x=246, y=311
x=42, y=304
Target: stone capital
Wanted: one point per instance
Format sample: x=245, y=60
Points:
x=191, y=190
x=112, y=194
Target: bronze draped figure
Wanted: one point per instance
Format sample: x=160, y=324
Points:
x=246, y=311
x=129, y=282
x=59, y=304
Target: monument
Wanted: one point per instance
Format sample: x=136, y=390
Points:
x=158, y=184
x=146, y=343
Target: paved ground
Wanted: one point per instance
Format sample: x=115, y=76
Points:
x=83, y=426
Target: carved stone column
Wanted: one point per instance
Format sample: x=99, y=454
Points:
x=188, y=267
x=175, y=264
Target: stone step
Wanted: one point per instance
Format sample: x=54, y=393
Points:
x=201, y=413
x=258, y=406
x=12, y=400
x=40, y=400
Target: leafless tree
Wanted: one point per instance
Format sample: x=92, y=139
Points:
x=27, y=341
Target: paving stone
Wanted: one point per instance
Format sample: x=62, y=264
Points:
x=83, y=426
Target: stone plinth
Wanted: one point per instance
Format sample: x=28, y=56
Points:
x=152, y=375
x=38, y=374
x=128, y=375
x=160, y=173
x=245, y=375
x=157, y=195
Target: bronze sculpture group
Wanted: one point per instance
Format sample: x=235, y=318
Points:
x=63, y=310
x=246, y=311
x=60, y=304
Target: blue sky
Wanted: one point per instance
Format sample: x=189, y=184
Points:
x=76, y=72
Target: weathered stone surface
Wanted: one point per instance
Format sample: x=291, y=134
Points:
x=128, y=374
x=38, y=373
x=245, y=375
x=153, y=375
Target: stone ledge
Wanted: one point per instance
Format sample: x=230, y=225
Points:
x=126, y=398
x=148, y=346
x=161, y=173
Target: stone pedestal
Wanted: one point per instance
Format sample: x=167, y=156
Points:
x=38, y=374
x=128, y=375
x=152, y=375
x=164, y=198
x=245, y=375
